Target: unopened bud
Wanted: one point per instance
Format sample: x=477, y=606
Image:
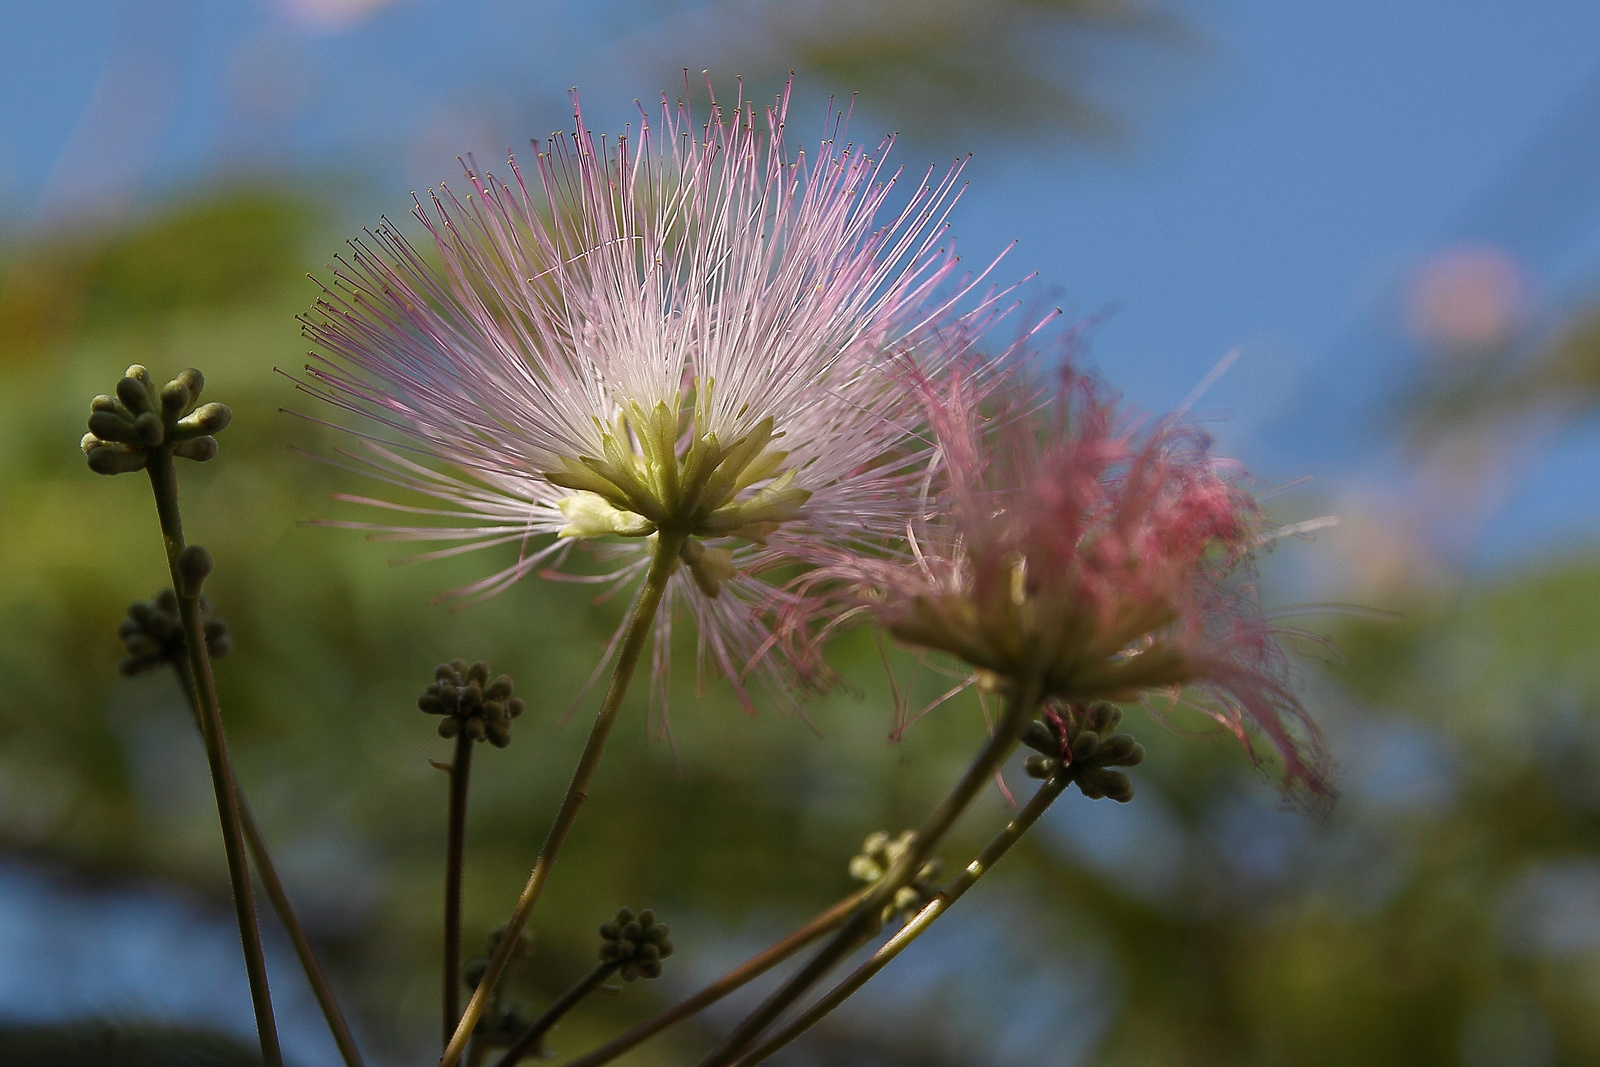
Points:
x=199, y=449
x=1038, y=766
x=194, y=566
x=193, y=381
x=174, y=398
x=148, y=429
x=112, y=426
x=131, y=391
x=113, y=459
x=207, y=418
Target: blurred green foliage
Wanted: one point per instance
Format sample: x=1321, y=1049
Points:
x=955, y=72
x=1447, y=912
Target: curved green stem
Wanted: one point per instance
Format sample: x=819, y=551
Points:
x=164, y=483
x=942, y=903
x=865, y=922
x=455, y=845
x=662, y=564
x=279, y=898
x=750, y=969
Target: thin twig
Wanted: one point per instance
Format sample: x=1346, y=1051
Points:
x=279, y=898
x=639, y=625
x=920, y=922
x=865, y=922
x=164, y=484
x=455, y=844
x=750, y=969
x=528, y=1043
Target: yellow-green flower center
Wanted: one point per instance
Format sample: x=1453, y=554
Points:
x=640, y=486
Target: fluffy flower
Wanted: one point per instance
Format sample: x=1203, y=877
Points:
x=1064, y=552
x=680, y=334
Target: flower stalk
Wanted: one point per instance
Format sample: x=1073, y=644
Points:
x=663, y=562
x=991, y=854
x=188, y=568
x=751, y=969
x=864, y=923
x=278, y=897
x=455, y=845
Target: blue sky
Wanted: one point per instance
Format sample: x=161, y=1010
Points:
x=1288, y=165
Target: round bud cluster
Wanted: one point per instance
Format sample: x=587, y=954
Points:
x=879, y=852
x=637, y=943
x=1083, y=740
x=153, y=633
x=123, y=429
x=470, y=703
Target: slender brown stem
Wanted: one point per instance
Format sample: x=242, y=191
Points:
x=454, y=845
x=865, y=922
x=662, y=565
x=528, y=1043
x=268, y=873
x=747, y=971
x=164, y=483
x=920, y=922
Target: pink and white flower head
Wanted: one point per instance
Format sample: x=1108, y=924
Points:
x=681, y=334
x=1069, y=554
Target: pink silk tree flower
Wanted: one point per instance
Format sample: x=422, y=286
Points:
x=683, y=334
x=1062, y=552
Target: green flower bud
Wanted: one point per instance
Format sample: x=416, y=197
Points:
x=133, y=394
x=148, y=430
x=113, y=426
x=205, y=419
x=1038, y=766
x=194, y=567
x=193, y=381
x=114, y=459
x=199, y=449
x=175, y=399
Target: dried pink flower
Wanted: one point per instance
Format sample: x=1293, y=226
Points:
x=687, y=332
x=1062, y=549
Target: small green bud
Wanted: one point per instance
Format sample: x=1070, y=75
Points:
x=194, y=567
x=133, y=394
x=112, y=426
x=1041, y=738
x=199, y=449
x=1120, y=750
x=174, y=398
x=148, y=429
x=207, y=418
x=103, y=403
x=114, y=459
x=1085, y=745
x=1103, y=717
x=193, y=381
x=1039, y=766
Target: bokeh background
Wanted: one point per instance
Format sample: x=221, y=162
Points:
x=1391, y=211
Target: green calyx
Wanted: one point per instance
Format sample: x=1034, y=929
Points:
x=126, y=428
x=641, y=486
